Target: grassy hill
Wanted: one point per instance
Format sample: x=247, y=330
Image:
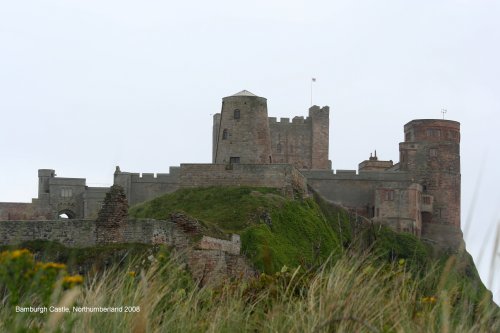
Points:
x=322, y=270
x=277, y=231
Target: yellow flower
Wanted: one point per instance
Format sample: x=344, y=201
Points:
x=401, y=262
x=75, y=279
x=54, y=265
x=131, y=273
x=19, y=253
x=430, y=300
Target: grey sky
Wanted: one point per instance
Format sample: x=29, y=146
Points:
x=89, y=84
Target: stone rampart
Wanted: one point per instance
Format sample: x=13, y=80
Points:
x=71, y=233
x=146, y=186
x=282, y=176
x=21, y=211
x=82, y=233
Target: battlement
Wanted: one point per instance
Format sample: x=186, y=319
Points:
x=316, y=111
x=282, y=176
x=273, y=120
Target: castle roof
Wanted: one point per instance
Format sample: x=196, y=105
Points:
x=244, y=93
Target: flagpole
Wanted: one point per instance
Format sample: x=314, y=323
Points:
x=312, y=80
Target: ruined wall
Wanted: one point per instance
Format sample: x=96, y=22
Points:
x=282, y=176
x=211, y=267
x=73, y=233
x=232, y=246
x=211, y=261
x=82, y=233
x=112, y=217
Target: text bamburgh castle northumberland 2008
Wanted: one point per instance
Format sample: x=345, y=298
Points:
x=420, y=194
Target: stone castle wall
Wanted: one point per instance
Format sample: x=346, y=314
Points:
x=82, y=233
x=282, y=176
x=23, y=211
x=210, y=262
x=143, y=187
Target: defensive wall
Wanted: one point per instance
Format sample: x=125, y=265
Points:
x=211, y=260
x=23, y=211
x=281, y=176
x=82, y=233
x=146, y=186
x=389, y=196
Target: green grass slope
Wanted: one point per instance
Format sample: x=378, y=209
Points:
x=277, y=231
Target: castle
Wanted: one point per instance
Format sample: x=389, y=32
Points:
x=420, y=194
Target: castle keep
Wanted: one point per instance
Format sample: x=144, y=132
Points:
x=420, y=194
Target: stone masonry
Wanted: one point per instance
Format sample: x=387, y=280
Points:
x=110, y=223
x=420, y=194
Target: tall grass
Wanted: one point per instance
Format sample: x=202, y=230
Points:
x=353, y=294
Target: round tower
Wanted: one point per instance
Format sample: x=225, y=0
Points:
x=431, y=154
x=243, y=130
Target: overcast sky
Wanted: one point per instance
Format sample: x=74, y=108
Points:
x=86, y=85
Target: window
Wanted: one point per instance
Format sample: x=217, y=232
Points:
x=427, y=200
x=434, y=132
x=237, y=114
x=66, y=193
x=389, y=195
x=452, y=135
x=278, y=148
x=224, y=134
x=234, y=160
x=433, y=152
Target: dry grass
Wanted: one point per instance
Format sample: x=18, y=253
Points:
x=353, y=294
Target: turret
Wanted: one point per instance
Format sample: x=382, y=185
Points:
x=320, y=122
x=431, y=154
x=43, y=182
x=243, y=131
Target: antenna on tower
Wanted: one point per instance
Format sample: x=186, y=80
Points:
x=443, y=111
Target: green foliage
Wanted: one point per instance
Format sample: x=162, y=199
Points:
x=25, y=282
x=392, y=246
x=298, y=235
x=338, y=219
x=230, y=209
x=275, y=231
